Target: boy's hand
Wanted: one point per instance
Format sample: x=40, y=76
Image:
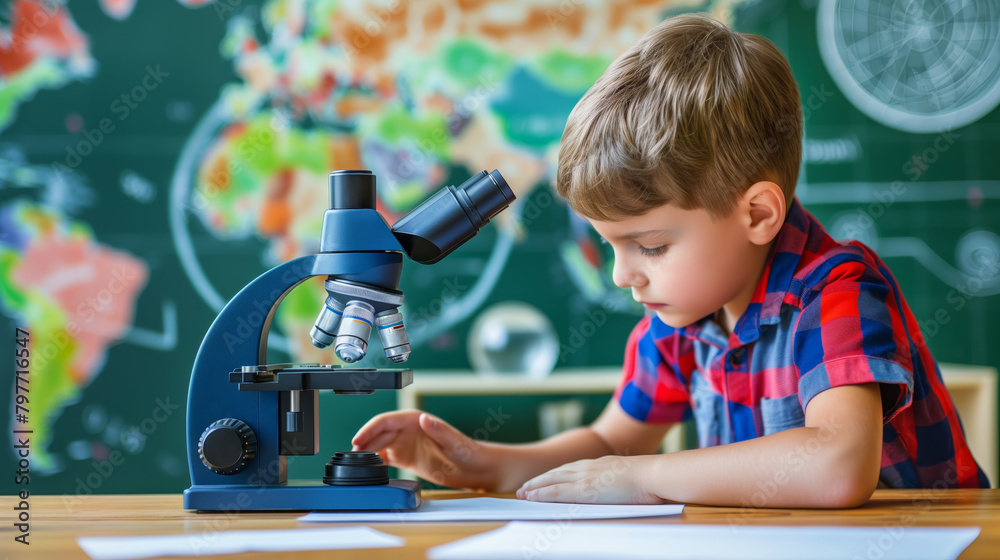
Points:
x=609, y=480
x=429, y=447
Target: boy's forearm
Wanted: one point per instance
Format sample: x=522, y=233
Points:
x=517, y=463
x=798, y=468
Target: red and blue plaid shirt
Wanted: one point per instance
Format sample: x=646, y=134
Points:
x=824, y=314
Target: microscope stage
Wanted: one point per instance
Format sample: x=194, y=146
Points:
x=312, y=377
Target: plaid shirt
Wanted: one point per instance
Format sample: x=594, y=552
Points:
x=824, y=314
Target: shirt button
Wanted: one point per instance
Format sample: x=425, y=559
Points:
x=736, y=357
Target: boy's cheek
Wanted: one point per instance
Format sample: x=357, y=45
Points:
x=686, y=289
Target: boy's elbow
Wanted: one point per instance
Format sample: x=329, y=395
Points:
x=848, y=493
x=849, y=486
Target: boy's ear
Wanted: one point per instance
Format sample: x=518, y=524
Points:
x=763, y=209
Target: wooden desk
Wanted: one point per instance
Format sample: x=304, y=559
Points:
x=56, y=522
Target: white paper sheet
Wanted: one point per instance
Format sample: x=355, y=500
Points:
x=624, y=541
x=498, y=509
x=230, y=542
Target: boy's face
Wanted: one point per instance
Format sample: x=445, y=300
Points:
x=681, y=264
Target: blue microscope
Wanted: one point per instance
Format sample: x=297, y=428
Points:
x=245, y=417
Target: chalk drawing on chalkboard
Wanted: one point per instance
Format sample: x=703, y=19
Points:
x=914, y=66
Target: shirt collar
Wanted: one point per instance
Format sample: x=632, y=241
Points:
x=773, y=286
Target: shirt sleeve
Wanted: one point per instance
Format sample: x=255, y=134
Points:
x=853, y=332
x=653, y=388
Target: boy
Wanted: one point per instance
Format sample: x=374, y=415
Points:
x=805, y=370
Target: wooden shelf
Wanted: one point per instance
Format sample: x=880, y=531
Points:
x=974, y=392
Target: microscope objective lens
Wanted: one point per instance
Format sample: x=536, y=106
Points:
x=355, y=328
x=324, y=330
x=392, y=333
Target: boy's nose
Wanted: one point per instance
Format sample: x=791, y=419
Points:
x=625, y=276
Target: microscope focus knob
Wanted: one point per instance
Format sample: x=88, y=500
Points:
x=227, y=446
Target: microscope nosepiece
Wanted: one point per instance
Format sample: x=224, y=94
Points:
x=392, y=333
x=324, y=331
x=355, y=328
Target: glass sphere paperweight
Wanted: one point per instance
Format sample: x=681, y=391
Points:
x=515, y=339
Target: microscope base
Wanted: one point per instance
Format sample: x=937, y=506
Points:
x=398, y=495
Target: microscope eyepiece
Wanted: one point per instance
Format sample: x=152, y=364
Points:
x=352, y=189
x=452, y=216
x=488, y=194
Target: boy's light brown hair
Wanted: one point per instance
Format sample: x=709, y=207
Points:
x=692, y=115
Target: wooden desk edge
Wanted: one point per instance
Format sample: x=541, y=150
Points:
x=57, y=521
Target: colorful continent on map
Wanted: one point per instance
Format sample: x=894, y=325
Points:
x=74, y=295
x=41, y=48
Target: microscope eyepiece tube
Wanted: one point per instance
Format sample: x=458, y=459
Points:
x=452, y=216
x=355, y=328
x=324, y=331
x=392, y=333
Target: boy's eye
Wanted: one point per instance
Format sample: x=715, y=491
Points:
x=653, y=251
